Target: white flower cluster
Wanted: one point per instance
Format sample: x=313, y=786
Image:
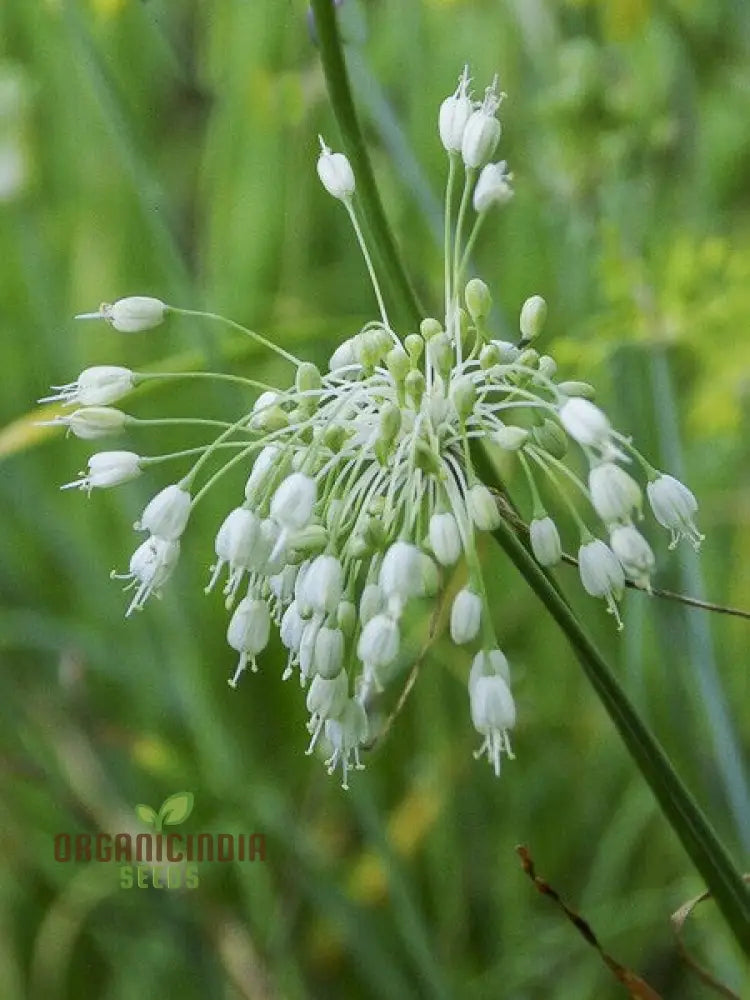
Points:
x=361, y=494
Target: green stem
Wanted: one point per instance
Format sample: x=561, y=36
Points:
x=339, y=92
x=698, y=838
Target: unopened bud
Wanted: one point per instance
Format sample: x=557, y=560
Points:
x=533, y=316
x=335, y=173
x=478, y=299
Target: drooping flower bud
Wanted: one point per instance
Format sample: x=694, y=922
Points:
x=482, y=508
x=489, y=663
x=674, y=507
x=466, y=616
x=323, y=584
x=345, y=734
x=371, y=603
x=379, y=642
x=335, y=173
x=545, y=541
x=585, y=422
x=634, y=553
x=445, y=538
x=248, y=633
x=328, y=654
x=150, y=567
x=235, y=545
x=601, y=574
x=455, y=112
x=493, y=713
x=293, y=501
x=614, y=493
x=166, y=514
x=400, y=574
x=326, y=699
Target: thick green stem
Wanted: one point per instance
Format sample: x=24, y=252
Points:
x=339, y=91
x=698, y=838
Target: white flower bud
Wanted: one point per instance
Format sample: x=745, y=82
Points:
x=493, y=187
x=482, y=132
x=545, y=541
x=150, y=567
x=345, y=734
x=489, y=663
x=400, y=572
x=614, y=493
x=236, y=545
x=324, y=584
x=328, y=654
x=482, y=508
x=547, y=366
x=455, y=112
x=601, y=574
x=379, y=641
x=166, y=514
x=533, y=316
x=511, y=438
x=132, y=314
x=493, y=713
x=634, y=553
x=108, y=468
x=270, y=554
x=343, y=356
x=327, y=697
x=463, y=395
x=445, y=539
x=335, y=173
x=91, y=423
x=674, y=507
x=267, y=458
x=371, y=603
x=466, y=616
x=282, y=584
x=585, y=422
x=292, y=627
x=307, y=648
x=293, y=501
x=248, y=633
x=346, y=618
x=95, y=386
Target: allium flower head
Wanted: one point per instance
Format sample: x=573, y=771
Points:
x=363, y=501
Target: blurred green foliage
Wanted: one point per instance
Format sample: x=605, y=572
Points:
x=168, y=148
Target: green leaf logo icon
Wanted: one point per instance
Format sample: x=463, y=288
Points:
x=174, y=810
x=146, y=815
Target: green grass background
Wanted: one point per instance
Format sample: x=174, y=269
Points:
x=167, y=147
